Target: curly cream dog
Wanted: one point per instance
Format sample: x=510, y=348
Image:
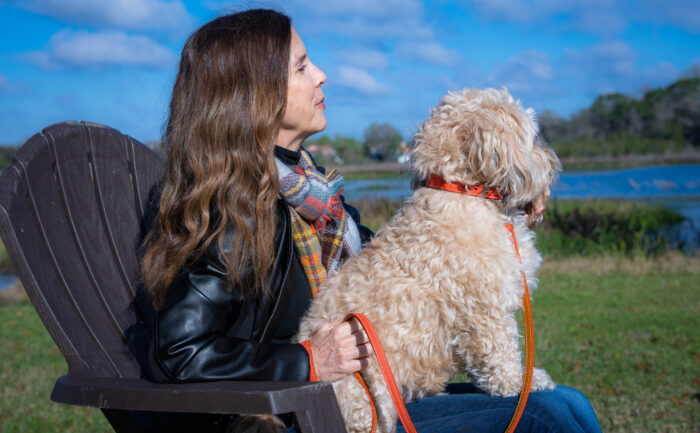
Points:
x=441, y=281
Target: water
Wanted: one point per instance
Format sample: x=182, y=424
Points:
x=677, y=187
x=6, y=280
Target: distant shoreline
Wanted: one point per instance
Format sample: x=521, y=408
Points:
x=572, y=162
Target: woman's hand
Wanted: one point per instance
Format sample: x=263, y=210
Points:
x=535, y=210
x=340, y=348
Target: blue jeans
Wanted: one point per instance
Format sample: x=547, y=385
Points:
x=466, y=409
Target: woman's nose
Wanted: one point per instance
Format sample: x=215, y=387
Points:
x=321, y=76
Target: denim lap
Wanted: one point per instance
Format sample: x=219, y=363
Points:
x=466, y=410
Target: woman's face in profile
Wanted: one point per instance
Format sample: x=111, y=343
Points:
x=305, y=104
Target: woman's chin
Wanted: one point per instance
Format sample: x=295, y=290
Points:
x=319, y=126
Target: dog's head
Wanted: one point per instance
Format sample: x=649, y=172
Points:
x=485, y=136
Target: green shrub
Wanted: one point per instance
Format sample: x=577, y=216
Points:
x=576, y=227
x=376, y=212
x=594, y=227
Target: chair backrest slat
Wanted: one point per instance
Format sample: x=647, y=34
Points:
x=64, y=188
x=53, y=271
x=145, y=170
x=87, y=211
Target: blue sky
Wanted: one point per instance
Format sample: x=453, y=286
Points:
x=114, y=61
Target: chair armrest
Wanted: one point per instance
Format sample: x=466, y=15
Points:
x=313, y=403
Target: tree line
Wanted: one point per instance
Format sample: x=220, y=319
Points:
x=662, y=121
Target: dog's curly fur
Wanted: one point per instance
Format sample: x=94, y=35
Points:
x=441, y=281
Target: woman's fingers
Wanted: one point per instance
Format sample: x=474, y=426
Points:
x=355, y=345
x=364, y=350
x=339, y=349
x=360, y=337
x=345, y=328
x=535, y=210
x=354, y=365
x=351, y=350
x=541, y=201
x=357, y=359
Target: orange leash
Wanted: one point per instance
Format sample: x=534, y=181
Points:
x=529, y=346
x=386, y=371
x=371, y=402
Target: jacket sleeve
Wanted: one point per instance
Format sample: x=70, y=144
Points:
x=192, y=336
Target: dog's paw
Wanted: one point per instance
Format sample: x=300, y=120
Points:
x=502, y=386
x=541, y=380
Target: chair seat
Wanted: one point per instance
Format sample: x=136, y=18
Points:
x=208, y=397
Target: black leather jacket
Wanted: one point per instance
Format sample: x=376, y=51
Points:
x=205, y=331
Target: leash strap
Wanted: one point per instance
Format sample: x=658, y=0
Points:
x=359, y=378
x=529, y=345
x=386, y=371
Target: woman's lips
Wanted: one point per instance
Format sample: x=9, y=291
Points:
x=321, y=103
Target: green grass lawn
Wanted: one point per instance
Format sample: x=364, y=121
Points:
x=31, y=363
x=628, y=336
x=629, y=341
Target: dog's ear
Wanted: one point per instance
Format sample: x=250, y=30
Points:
x=546, y=165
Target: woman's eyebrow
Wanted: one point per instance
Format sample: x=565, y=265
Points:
x=301, y=59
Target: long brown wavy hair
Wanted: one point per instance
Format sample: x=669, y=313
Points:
x=226, y=109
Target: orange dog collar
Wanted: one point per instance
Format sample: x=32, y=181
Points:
x=477, y=190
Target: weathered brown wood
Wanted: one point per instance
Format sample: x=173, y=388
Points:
x=71, y=218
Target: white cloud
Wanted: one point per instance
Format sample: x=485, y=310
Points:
x=601, y=17
x=430, y=52
x=661, y=72
x=364, y=58
x=605, y=17
x=504, y=10
x=81, y=49
x=6, y=86
x=367, y=8
x=529, y=72
x=360, y=27
x=598, y=22
x=123, y=14
x=682, y=13
x=608, y=59
x=361, y=19
x=359, y=80
x=614, y=67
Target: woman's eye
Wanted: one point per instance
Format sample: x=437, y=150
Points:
x=302, y=68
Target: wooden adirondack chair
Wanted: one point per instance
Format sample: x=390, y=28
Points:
x=71, y=209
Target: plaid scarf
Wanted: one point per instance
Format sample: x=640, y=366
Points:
x=323, y=232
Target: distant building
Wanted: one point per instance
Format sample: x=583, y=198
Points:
x=327, y=152
x=404, y=155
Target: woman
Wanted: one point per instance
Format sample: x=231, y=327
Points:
x=236, y=250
